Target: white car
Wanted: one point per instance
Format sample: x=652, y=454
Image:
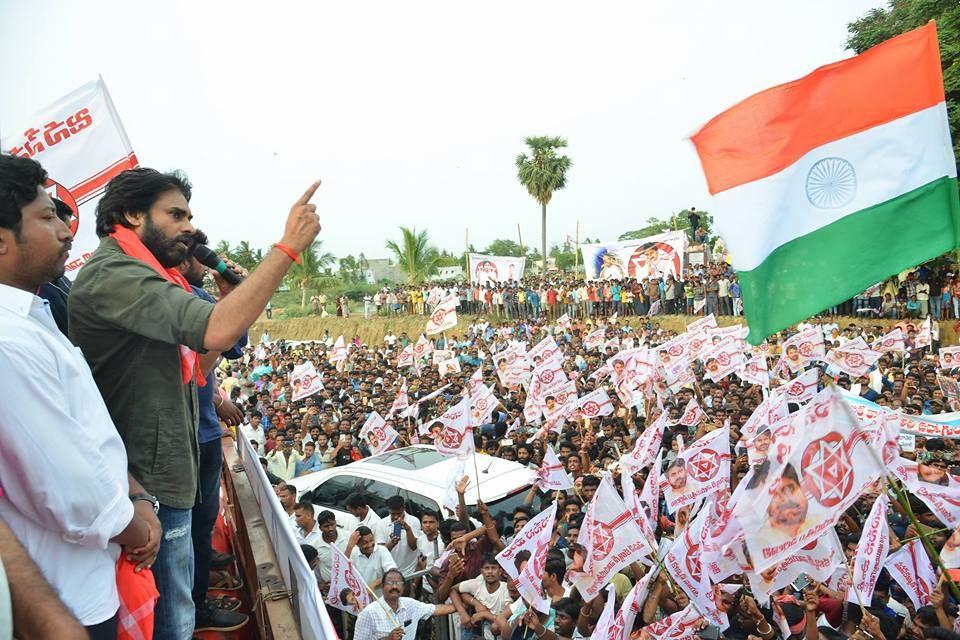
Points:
x=423, y=477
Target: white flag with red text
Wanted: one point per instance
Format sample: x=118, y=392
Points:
x=854, y=358
x=871, y=552
x=406, y=358
x=702, y=469
x=755, y=371
x=692, y=414
x=892, y=341
x=934, y=486
x=819, y=464
x=378, y=434
x=646, y=447
x=456, y=435
x=82, y=145
x=305, y=381
x=911, y=568
x=551, y=476
x=803, y=348
x=611, y=540
x=345, y=577
x=401, y=402
x=803, y=387
x=443, y=316
x=595, y=404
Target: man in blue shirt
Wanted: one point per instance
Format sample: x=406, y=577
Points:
x=212, y=408
x=310, y=462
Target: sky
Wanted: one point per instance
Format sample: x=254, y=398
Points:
x=413, y=113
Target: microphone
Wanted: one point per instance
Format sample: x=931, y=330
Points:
x=208, y=258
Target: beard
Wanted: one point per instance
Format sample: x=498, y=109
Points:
x=168, y=252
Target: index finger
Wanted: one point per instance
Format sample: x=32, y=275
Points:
x=308, y=194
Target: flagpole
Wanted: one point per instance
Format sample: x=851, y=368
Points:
x=576, y=252
x=520, y=238
x=383, y=606
x=476, y=470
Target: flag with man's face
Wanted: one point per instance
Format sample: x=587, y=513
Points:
x=818, y=465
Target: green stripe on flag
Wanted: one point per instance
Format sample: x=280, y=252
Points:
x=832, y=264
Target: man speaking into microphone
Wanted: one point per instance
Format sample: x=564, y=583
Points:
x=147, y=339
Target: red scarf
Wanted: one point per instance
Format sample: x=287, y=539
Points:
x=131, y=245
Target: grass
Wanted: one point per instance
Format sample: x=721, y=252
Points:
x=373, y=330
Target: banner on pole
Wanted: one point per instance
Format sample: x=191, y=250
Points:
x=486, y=269
x=82, y=145
x=652, y=257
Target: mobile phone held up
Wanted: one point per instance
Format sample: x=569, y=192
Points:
x=396, y=529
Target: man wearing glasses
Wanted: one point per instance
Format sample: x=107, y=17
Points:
x=395, y=617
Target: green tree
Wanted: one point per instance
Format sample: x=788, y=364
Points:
x=416, y=258
x=309, y=274
x=543, y=172
x=501, y=247
x=246, y=256
x=903, y=15
x=565, y=256
x=678, y=221
x=352, y=270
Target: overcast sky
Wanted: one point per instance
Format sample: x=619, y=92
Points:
x=412, y=113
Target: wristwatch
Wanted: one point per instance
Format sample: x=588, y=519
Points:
x=146, y=497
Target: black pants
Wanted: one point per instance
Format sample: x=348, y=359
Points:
x=205, y=517
x=106, y=630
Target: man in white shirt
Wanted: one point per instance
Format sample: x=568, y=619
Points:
x=73, y=514
x=399, y=534
x=430, y=545
x=375, y=623
x=288, y=500
x=371, y=560
x=487, y=595
x=357, y=507
x=254, y=432
x=329, y=537
x=282, y=461
x=308, y=531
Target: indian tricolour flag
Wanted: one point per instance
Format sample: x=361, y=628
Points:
x=828, y=184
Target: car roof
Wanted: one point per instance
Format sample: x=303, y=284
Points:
x=422, y=469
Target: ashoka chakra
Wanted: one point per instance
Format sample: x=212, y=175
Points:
x=831, y=183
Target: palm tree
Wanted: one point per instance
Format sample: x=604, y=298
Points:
x=542, y=173
x=247, y=257
x=309, y=273
x=414, y=254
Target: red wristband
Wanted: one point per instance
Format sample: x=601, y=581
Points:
x=290, y=252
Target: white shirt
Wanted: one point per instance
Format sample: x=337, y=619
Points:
x=373, y=566
x=282, y=467
x=312, y=537
x=431, y=550
x=257, y=435
x=370, y=520
x=325, y=555
x=403, y=555
x=374, y=623
x=63, y=467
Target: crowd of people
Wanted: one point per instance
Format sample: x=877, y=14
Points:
x=127, y=381
x=467, y=582
x=111, y=435
x=702, y=289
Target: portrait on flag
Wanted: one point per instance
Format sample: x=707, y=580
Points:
x=820, y=465
x=950, y=357
x=492, y=270
x=803, y=348
x=656, y=256
x=698, y=471
x=722, y=358
x=305, y=381
x=443, y=316
x=348, y=590
x=378, y=434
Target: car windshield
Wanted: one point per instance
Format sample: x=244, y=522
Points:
x=502, y=510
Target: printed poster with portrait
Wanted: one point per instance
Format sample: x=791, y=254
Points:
x=819, y=465
x=494, y=270
x=652, y=257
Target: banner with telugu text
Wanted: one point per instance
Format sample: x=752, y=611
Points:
x=652, y=257
x=82, y=145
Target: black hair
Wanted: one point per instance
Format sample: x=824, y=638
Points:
x=430, y=512
x=396, y=502
x=393, y=570
x=19, y=179
x=489, y=558
x=136, y=191
x=289, y=488
x=364, y=531
x=355, y=501
x=591, y=481
x=555, y=568
x=567, y=606
x=309, y=552
x=306, y=506
x=326, y=516
x=64, y=211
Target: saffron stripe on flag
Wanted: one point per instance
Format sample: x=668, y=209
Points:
x=771, y=130
x=820, y=269
x=886, y=161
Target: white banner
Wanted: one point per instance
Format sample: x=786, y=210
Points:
x=653, y=257
x=80, y=142
x=305, y=381
x=486, y=269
